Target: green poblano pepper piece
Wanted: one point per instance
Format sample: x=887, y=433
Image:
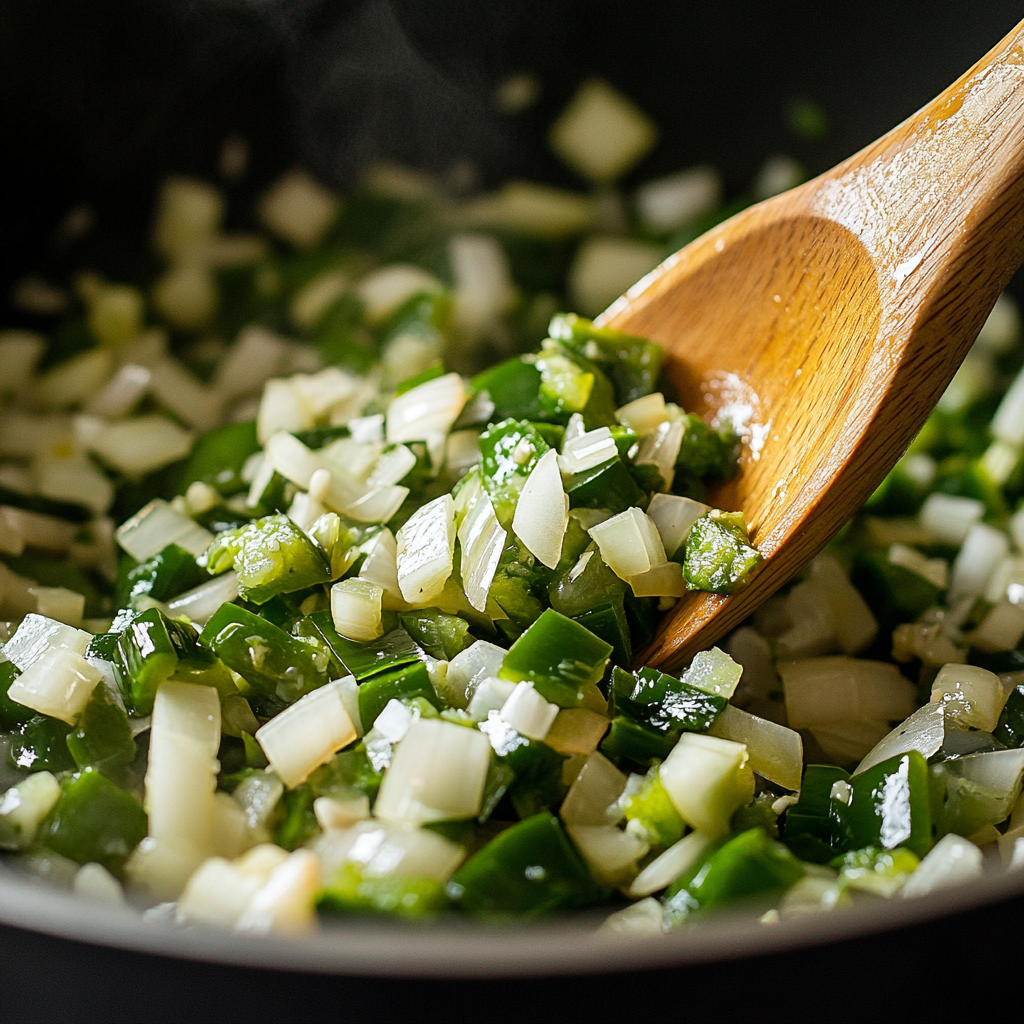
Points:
x=1010, y=730
x=270, y=556
x=40, y=744
x=890, y=805
x=94, y=822
x=12, y=714
x=218, y=456
x=631, y=742
x=719, y=557
x=663, y=701
x=349, y=892
x=441, y=635
x=654, y=814
x=815, y=826
x=102, y=737
x=508, y=452
x=167, y=574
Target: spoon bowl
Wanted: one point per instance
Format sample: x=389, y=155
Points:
x=824, y=324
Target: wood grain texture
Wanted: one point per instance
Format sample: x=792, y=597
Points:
x=829, y=320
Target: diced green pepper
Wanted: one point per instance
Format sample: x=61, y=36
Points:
x=165, y=575
x=441, y=635
x=102, y=738
x=94, y=822
x=719, y=557
x=559, y=656
x=275, y=664
x=150, y=650
x=349, y=773
x=350, y=892
x=514, y=387
x=815, y=826
x=630, y=741
x=297, y=822
x=881, y=872
x=12, y=714
x=536, y=767
x=270, y=556
x=705, y=452
x=610, y=485
x=391, y=651
x=748, y=866
x=40, y=745
x=890, y=805
x=894, y=593
x=218, y=456
x=653, y=811
x=508, y=452
x=529, y=869
x=405, y=682
x=664, y=702
x=1010, y=730
x=632, y=363
x=608, y=621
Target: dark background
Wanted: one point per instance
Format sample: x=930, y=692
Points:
x=99, y=99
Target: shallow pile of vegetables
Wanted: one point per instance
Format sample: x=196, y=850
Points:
x=297, y=619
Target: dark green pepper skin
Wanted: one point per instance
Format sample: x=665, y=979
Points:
x=165, y=575
x=745, y=867
x=12, y=714
x=664, y=702
x=536, y=769
x=815, y=827
x=276, y=665
x=414, y=898
x=102, y=737
x=1010, y=730
x=890, y=805
x=94, y=821
x=40, y=745
x=559, y=656
x=632, y=742
x=391, y=651
x=719, y=557
x=406, y=682
x=528, y=870
x=218, y=456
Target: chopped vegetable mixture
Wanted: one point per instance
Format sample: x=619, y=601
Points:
x=326, y=556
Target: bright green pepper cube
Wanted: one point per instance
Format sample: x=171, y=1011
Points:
x=746, y=867
x=1010, y=730
x=630, y=741
x=149, y=651
x=664, y=702
x=609, y=485
x=719, y=557
x=514, y=387
x=608, y=621
x=508, y=452
x=632, y=363
x=276, y=665
x=652, y=809
x=559, y=656
x=890, y=805
x=528, y=870
x=441, y=635
x=218, y=456
x=102, y=738
x=40, y=745
x=349, y=892
x=405, y=682
x=815, y=826
x=94, y=822
x=389, y=652
x=270, y=556
x=167, y=574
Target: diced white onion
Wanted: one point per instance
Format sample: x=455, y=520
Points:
x=200, y=603
x=1008, y=422
x=328, y=391
x=587, y=450
x=666, y=868
x=970, y=695
x=188, y=210
x=661, y=449
x=95, y=882
x=20, y=351
x=307, y=734
x=610, y=853
x=849, y=741
x=645, y=917
x=356, y=608
x=17, y=594
x=948, y=517
x=1002, y=629
x=314, y=298
x=602, y=133
x=38, y=530
x=983, y=549
x=393, y=465
x=426, y=412
x=853, y=622
x=282, y=408
x=533, y=209
x=37, y=634
x=381, y=568
x=488, y=695
x=593, y=794
x=924, y=731
x=528, y=712
x=394, y=721
x=577, y=731
x=121, y=394
x=23, y=807
x=437, y=773
x=284, y=903
x=333, y=813
x=256, y=356
x=776, y=753
x=367, y=429
x=703, y=776
x=629, y=543
x=484, y=288
x=673, y=515
x=934, y=570
x=950, y=861
x=383, y=291
x=155, y=526
x=182, y=777
x=827, y=692
x=185, y=295
x=58, y=683
x=67, y=606
x=179, y=391
x=385, y=850
x=76, y=380
x=468, y=668
x=606, y=266
x=644, y=415
x=425, y=548
x=665, y=580
x=542, y=511
x=141, y=445
x=667, y=204
x=298, y=209
x=483, y=540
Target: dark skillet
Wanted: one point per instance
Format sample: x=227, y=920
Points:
x=98, y=100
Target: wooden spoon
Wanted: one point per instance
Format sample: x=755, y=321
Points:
x=829, y=320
